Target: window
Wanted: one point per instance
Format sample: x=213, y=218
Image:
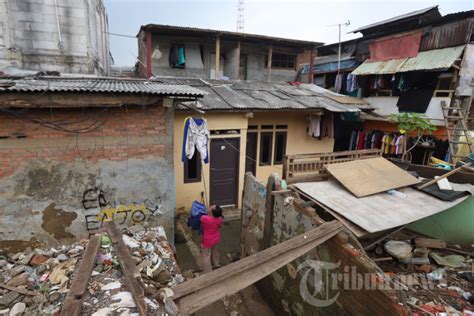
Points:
x=266, y=148
x=177, y=56
x=280, y=148
x=192, y=169
x=279, y=60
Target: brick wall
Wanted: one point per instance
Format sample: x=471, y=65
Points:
x=21, y=140
x=57, y=186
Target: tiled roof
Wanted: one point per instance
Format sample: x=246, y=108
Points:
x=96, y=85
x=258, y=95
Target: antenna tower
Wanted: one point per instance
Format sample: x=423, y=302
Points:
x=240, y=16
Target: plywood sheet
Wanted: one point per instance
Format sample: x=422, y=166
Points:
x=370, y=176
x=376, y=212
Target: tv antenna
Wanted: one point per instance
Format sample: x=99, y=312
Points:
x=339, y=51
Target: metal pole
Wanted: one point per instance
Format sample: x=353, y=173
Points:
x=339, y=52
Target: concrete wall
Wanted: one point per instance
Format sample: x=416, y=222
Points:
x=286, y=290
x=56, y=187
x=29, y=36
x=298, y=142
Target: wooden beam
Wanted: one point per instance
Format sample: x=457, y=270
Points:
x=208, y=288
x=149, y=70
x=74, y=100
x=129, y=268
x=269, y=63
x=218, y=55
x=73, y=302
x=311, y=66
x=19, y=290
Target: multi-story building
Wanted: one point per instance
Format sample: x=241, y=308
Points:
x=210, y=54
x=67, y=36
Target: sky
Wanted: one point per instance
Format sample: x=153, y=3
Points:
x=312, y=20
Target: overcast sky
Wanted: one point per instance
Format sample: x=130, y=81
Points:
x=298, y=19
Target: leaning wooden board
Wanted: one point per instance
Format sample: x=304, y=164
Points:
x=370, y=176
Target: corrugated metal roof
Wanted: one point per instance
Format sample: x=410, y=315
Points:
x=95, y=85
x=396, y=18
x=430, y=60
x=255, y=95
x=243, y=36
x=447, y=35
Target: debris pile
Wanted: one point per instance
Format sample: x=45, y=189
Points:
x=435, y=278
x=36, y=282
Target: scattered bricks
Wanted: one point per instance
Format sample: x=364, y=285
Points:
x=38, y=260
x=425, y=268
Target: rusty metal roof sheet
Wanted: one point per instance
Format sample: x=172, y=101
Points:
x=447, y=35
x=435, y=59
x=265, y=96
x=96, y=84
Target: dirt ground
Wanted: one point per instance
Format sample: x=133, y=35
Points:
x=246, y=302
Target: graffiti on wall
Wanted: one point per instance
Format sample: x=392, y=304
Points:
x=100, y=210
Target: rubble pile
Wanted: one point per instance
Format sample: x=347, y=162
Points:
x=434, y=278
x=36, y=282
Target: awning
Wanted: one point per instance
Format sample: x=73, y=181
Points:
x=326, y=64
x=436, y=59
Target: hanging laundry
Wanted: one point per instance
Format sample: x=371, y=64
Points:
x=327, y=126
x=181, y=59
x=338, y=83
x=361, y=141
x=400, y=143
x=198, y=209
x=314, y=129
x=196, y=136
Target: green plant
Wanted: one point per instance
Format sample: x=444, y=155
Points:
x=409, y=123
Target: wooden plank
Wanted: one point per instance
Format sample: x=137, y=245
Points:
x=356, y=230
x=218, y=288
x=427, y=184
x=18, y=290
x=73, y=302
x=377, y=212
x=256, y=259
x=128, y=267
x=430, y=243
x=385, y=236
x=370, y=176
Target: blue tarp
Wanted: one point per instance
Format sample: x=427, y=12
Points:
x=331, y=66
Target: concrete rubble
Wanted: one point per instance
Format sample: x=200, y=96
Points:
x=434, y=280
x=36, y=282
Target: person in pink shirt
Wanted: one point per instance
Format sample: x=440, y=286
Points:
x=211, y=237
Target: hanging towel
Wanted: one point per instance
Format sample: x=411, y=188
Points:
x=196, y=136
x=314, y=129
x=338, y=83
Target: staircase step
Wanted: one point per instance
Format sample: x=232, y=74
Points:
x=458, y=142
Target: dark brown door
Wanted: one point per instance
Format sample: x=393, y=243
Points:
x=251, y=153
x=224, y=173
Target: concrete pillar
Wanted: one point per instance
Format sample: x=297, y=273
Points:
x=269, y=63
x=218, y=54
x=148, y=55
x=238, y=61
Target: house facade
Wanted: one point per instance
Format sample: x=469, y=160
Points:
x=252, y=127
x=77, y=152
x=175, y=51
x=416, y=62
